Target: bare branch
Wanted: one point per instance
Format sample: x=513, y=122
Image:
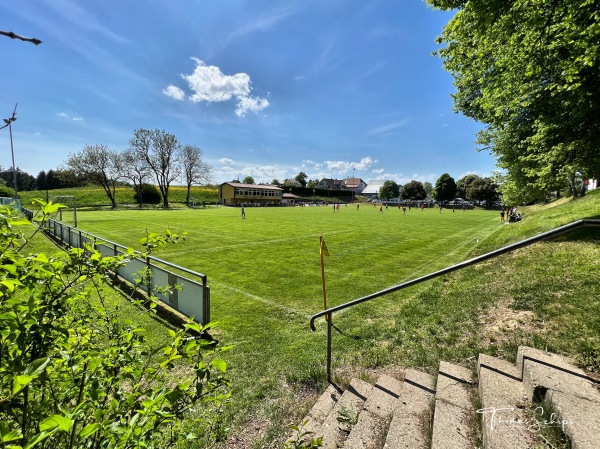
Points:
x=12, y=35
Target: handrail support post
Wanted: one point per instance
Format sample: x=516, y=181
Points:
x=329, y=326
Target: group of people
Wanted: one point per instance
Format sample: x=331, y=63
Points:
x=510, y=216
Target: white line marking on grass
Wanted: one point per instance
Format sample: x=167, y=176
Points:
x=269, y=242
x=263, y=300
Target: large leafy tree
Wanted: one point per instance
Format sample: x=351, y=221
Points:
x=445, y=188
x=160, y=150
x=530, y=71
x=414, y=190
x=99, y=165
x=482, y=189
x=389, y=190
x=136, y=170
x=462, y=185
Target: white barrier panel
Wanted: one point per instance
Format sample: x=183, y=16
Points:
x=132, y=273
x=193, y=299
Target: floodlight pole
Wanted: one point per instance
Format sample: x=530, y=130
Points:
x=9, y=122
x=12, y=152
x=353, y=181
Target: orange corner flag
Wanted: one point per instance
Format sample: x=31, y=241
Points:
x=324, y=250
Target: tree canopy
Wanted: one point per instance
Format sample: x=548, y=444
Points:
x=529, y=71
x=100, y=165
x=414, y=190
x=301, y=178
x=389, y=190
x=445, y=188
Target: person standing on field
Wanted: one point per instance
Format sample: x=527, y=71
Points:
x=243, y=213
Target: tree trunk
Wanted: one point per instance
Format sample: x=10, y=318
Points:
x=582, y=189
x=572, y=186
x=187, y=196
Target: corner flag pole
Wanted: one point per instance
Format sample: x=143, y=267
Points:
x=324, y=252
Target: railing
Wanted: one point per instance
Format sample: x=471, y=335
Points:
x=544, y=236
x=192, y=299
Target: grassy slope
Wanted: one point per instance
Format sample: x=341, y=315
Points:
x=264, y=276
x=95, y=196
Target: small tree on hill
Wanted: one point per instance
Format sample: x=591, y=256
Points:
x=195, y=170
x=136, y=170
x=160, y=150
x=99, y=165
x=248, y=180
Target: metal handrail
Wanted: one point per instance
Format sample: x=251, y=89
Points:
x=506, y=249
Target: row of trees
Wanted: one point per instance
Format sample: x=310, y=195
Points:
x=298, y=181
x=152, y=154
x=470, y=187
x=530, y=72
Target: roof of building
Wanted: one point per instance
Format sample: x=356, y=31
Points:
x=352, y=182
x=373, y=187
x=253, y=186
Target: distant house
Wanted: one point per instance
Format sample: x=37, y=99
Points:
x=235, y=194
x=330, y=184
x=355, y=184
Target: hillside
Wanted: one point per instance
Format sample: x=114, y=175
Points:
x=96, y=197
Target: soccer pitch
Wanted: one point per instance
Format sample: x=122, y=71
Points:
x=272, y=256
x=265, y=278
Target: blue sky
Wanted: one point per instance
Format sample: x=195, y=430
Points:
x=265, y=88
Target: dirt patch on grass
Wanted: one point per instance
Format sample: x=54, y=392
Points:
x=253, y=430
x=500, y=322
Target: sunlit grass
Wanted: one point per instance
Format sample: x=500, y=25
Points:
x=264, y=274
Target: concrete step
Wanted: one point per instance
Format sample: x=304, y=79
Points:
x=566, y=391
x=505, y=408
x=319, y=411
x=374, y=419
x=411, y=423
x=333, y=431
x=454, y=411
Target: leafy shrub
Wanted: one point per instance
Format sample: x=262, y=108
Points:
x=6, y=191
x=149, y=195
x=75, y=373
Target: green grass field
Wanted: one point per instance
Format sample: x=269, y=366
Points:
x=265, y=280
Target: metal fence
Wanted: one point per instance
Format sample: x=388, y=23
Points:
x=192, y=295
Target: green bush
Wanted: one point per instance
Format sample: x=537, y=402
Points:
x=149, y=195
x=6, y=192
x=75, y=373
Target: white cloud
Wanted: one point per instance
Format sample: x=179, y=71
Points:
x=174, y=92
x=344, y=166
x=226, y=161
x=378, y=170
x=74, y=117
x=209, y=84
x=252, y=104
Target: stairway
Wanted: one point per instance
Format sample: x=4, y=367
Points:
x=515, y=402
